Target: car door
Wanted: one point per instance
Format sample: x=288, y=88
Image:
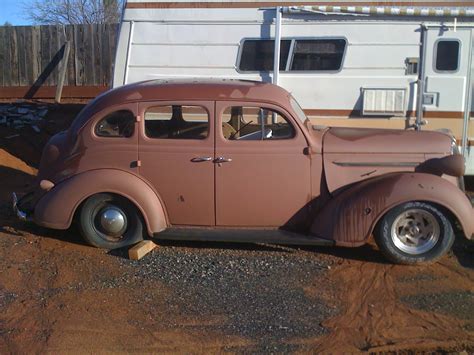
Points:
x=176, y=153
x=262, y=172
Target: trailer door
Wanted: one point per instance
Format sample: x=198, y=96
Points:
x=446, y=68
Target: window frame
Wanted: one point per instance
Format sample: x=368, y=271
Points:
x=289, y=60
x=435, y=55
x=176, y=103
x=260, y=105
x=104, y=114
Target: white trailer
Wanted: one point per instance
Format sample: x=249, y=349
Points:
x=388, y=66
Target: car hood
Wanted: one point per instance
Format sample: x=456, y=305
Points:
x=355, y=154
x=378, y=141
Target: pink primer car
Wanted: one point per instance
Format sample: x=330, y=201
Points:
x=189, y=160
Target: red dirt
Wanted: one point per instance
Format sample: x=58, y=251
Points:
x=57, y=295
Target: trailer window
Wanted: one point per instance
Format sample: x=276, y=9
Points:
x=447, y=55
x=318, y=55
x=257, y=55
x=177, y=122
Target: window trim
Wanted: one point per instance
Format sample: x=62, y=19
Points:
x=435, y=55
x=290, y=58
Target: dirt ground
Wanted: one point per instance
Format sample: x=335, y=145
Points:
x=58, y=295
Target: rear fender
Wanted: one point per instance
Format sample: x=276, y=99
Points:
x=57, y=207
x=350, y=217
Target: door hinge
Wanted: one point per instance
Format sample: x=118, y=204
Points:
x=136, y=164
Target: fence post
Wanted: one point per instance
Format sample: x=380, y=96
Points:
x=62, y=71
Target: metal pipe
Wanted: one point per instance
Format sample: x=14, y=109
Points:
x=468, y=102
x=129, y=52
x=276, y=55
x=421, y=79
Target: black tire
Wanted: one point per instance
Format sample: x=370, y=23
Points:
x=91, y=222
x=390, y=241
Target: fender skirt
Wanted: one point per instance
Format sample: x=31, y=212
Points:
x=350, y=217
x=57, y=207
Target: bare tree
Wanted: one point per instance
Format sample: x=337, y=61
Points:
x=73, y=12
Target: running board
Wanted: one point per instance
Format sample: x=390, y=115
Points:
x=275, y=236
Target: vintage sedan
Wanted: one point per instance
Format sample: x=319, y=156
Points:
x=239, y=161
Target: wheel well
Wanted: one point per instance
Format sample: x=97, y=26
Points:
x=447, y=212
x=81, y=204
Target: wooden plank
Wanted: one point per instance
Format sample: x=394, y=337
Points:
x=80, y=55
x=105, y=55
x=22, y=71
x=36, y=51
x=45, y=50
x=28, y=49
x=89, y=55
x=141, y=249
x=55, y=55
x=62, y=71
x=13, y=56
x=71, y=71
x=3, y=47
x=7, y=73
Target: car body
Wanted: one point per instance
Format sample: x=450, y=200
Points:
x=194, y=159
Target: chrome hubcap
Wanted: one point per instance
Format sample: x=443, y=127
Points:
x=113, y=221
x=415, y=231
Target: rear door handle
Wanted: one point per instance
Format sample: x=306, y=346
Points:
x=219, y=160
x=201, y=159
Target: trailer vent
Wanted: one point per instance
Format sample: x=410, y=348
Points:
x=384, y=101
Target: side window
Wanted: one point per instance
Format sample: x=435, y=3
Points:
x=177, y=122
x=447, y=55
x=318, y=55
x=117, y=124
x=257, y=55
x=255, y=123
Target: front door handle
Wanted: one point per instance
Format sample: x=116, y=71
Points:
x=219, y=160
x=201, y=159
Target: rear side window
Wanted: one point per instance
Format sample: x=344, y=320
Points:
x=117, y=124
x=177, y=122
x=447, y=55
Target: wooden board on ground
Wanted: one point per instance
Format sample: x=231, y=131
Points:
x=141, y=249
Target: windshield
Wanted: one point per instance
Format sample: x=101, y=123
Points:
x=297, y=108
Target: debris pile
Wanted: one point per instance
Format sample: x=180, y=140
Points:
x=18, y=116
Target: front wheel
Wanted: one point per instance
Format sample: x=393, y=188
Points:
x=109, y=221
x=413, y=233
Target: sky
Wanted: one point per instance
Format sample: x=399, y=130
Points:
x=11, y=11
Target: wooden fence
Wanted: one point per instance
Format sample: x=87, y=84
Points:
x=30, y=58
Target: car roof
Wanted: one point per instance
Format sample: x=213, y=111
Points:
x=183, y=90
x=223, y=89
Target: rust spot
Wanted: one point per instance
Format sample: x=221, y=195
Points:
x=181, y=198
x=421, y=186
x=368, y=210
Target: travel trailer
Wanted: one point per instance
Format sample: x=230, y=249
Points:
x=403, y=65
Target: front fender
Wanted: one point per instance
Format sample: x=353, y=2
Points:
x=351, y=216
x=57, y=207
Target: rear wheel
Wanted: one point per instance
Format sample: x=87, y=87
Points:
x=109, y=221
x=413, y=233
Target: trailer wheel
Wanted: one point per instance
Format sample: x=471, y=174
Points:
x=414, y=233
x=109, y=221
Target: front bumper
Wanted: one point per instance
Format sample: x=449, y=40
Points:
x=21, y=215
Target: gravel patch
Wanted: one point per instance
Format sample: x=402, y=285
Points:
x=259, y=292
x=458, y=304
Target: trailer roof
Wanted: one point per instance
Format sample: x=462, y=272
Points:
x=273, y=3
